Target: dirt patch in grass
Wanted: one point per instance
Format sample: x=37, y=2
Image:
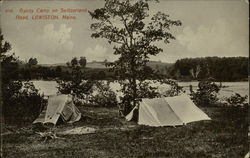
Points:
x=225, y=136
x=79, y=130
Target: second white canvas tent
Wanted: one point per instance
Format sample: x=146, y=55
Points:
x=168, y=111
x=59, y=106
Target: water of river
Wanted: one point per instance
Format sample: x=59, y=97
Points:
x=49, y=87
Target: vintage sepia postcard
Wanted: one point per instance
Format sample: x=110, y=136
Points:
x=124, y=78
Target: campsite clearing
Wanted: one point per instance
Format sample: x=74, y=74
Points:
x=224, y=136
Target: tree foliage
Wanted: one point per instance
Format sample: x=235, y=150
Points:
x=123, y=23
x=237, y=100
x=78, y=86
x=74, y=62
x=9, y=63
x=206, y=93
x=82, y=61
x=103, y=95
x=32, y=62
x=221, y=69
x=86, y=91
x=174, y=89
x=21, y=101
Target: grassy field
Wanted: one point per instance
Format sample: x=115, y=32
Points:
x=225, y=136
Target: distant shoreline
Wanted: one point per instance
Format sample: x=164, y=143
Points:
x=183, y=81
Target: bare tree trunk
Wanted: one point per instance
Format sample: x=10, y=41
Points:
x=134, y=87
x=134, y=92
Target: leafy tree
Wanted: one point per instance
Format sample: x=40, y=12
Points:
x=206, y=93
x=82, y=87
x=32, y=62
x=21, y=101
x=78, y=86
x=82, y=61
x=104, y=96
x=174, y=90
x=74, y=62
x=9, y=63
x=123, y=23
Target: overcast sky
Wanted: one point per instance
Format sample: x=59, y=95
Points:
x=210, y=28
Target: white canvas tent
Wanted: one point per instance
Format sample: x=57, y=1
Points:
x=169, y=111
x=59, y=106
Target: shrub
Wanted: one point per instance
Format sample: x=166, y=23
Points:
x=21, y=102
x=206, y=93
x=236, y=117
x=237, y=100
x=146, y=90
x=77, y=86
x=104, y=96
x=91, y=93
x=79, y=90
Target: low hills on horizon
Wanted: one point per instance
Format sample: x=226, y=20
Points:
x=102, y=64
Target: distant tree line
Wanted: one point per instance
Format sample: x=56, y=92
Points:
x=31, y=70
x=221, y=69
x=60, y=72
